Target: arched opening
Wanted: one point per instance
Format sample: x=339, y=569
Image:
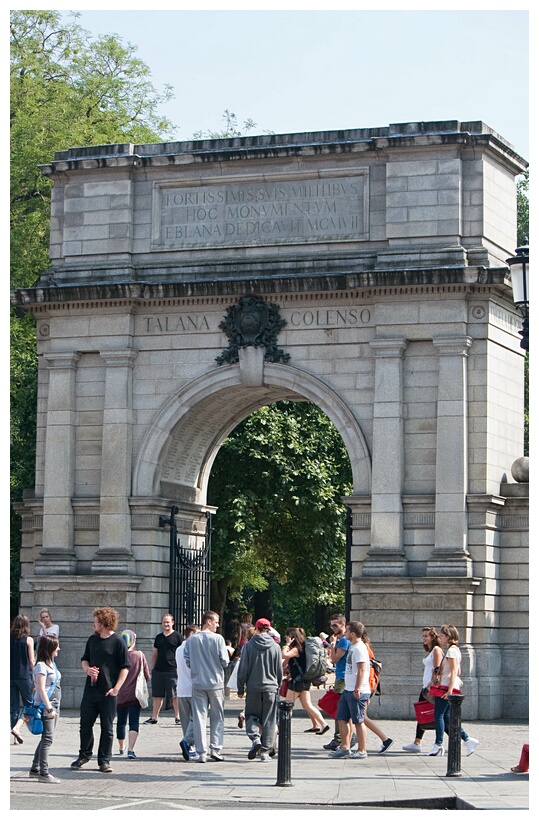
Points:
x=279, y=540
x=175, y=458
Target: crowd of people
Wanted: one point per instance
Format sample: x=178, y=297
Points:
x=189, y=672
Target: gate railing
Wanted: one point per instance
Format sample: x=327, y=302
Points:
x=189, y=572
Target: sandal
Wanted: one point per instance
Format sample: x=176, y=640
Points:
x=324, y=730
x=16, y=735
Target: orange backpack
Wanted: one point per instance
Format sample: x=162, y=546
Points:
x=374, y=674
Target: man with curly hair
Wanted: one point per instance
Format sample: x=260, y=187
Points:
x=105, y=663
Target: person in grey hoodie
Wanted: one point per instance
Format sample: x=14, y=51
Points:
x=207, y=657
x=260, y=672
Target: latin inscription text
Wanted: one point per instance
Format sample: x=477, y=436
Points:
x=263, y=212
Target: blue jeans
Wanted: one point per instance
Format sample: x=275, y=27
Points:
x=123, y=713
x=441, y=720
x=19, y=690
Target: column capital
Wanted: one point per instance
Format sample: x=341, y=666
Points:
x=452, y=345
x=119, y=358
x=388, y=348
x=65, y=361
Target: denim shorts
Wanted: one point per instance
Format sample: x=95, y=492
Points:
x=349, y=708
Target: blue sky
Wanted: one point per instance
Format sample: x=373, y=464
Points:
x=309, y=70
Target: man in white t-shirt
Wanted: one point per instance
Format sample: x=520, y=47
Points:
x=356, y=694
x=185, y=694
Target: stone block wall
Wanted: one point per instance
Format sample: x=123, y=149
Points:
x=384, y=251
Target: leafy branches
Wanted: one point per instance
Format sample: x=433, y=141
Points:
x=278, y=481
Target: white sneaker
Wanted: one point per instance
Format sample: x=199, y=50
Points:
x=264, y=757
x=436, y=751
x=201, y=759
x=412, y=747
x=471, y=743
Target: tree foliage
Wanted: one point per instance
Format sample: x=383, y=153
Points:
x=230, y=128
x=278, y=481
x=523, y=209
x=66, y=89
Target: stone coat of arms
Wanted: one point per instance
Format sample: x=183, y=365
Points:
x=252, y=322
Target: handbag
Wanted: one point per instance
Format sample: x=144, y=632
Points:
x=328, y=703
x=439, y=691
x=233, y=679
x=426, y=694
x=424, y=711
x=283, y=688
x=141, y=686
x=33, y=715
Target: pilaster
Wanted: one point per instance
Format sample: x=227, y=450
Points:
x=57, y=554
x=386, y=554
x=450, y=556
x=114, y=554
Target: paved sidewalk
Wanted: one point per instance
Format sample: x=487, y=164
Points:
x=394, y=779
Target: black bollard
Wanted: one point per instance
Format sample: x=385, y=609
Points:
x=284, y=758
x=453, y=749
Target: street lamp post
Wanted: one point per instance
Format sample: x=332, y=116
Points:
x=520, y=267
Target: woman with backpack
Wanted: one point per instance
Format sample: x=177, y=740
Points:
x=294, y=657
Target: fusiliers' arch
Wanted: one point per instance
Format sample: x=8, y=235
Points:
x=194, y=423
x=363, y=270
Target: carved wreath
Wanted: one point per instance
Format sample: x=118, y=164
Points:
x=251, y=322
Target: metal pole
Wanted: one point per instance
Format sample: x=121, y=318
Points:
x=348, y=569
x=453, y=750
x=284, y=759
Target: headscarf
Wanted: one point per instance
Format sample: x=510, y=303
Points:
x=129, y=637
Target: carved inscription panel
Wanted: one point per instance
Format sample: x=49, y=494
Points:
x=259, y=212
x=349, y=316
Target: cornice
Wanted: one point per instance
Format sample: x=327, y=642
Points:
x=362, y=285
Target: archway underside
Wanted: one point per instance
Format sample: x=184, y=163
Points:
x=176, y=457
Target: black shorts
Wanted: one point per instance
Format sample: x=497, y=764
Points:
x=299, y=686
x=164, y=683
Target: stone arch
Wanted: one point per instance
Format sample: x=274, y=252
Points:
x=177, y=452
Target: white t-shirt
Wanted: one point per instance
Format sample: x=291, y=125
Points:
x=452, y=652
x=428, y=664
x=357, y=653
x=41, y=668
x=184, y=688
x=53, y=630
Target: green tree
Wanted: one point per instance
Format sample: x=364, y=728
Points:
x=67, y=89
x=278, y=481
x=230, y=128
x=523, y=209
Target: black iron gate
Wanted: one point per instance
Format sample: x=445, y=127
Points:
x=190, y=572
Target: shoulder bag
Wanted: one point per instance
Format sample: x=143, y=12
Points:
x=141, y=686
x=33, y=715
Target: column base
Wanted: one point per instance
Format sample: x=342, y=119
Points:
x=382, y=563
x=450, y=564
x=113, y=562
x=55, y=563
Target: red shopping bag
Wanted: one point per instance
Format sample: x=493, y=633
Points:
x=328, y=703
x=424, y=711
x=439, y=691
